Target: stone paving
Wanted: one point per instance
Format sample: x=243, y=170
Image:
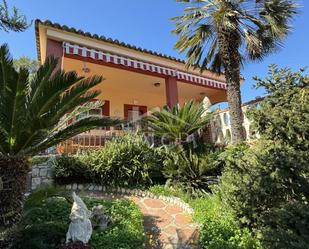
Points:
x=167, y=226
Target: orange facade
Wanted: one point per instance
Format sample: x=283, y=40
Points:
x=137, y=81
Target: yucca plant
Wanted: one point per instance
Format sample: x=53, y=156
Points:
x=191, y=172
x=223, y=34
x=177, y=123
x=34, y=116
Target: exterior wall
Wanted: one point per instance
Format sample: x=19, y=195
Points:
x=122, y=87
x=62, y=35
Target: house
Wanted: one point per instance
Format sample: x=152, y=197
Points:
x=220, y=126
x=137, y=81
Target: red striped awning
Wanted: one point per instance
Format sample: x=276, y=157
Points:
x=136, y=64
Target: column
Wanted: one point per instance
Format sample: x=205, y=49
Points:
x=171, y=91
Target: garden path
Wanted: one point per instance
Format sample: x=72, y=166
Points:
x=166, y=225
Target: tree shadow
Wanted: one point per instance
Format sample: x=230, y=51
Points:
x=182, y=242
x=152, y=232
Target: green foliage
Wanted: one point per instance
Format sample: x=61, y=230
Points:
x=263, y=177
x=267, y=184
x=261, y=184
x=46, y=222
x=286, y=226
x=25, y=62
x=193, y=173
x=177, y=123
x=127, y=233
x=15, y=22
x=259, y=26
x=221, y=35
x=39, y=159
x=34, y=113
x=218, y=230
x=71, y=169
x=284, y=114
x=127, y=161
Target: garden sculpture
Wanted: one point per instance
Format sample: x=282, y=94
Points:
x=80, y=228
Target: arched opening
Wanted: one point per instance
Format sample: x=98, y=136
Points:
x=226, y=118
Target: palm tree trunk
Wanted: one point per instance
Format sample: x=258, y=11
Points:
x=229, y=43
x=13, y=179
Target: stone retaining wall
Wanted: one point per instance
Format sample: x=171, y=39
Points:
x=41, y=174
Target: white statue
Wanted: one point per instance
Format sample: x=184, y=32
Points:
x=80, y=228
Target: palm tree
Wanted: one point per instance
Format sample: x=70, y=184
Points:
x=15, y=22
x=34, y=116
x=222, y=34
x=177, y=123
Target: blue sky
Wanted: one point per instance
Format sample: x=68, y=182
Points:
x=146, y=23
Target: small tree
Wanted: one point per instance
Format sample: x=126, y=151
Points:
x=16, y=22
x=283, y=115
x=34, y=116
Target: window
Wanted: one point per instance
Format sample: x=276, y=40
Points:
x=134, y=115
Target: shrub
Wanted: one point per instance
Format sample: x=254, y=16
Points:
x=286, y=226
x=284, y=114
x=193, y=173
x=46, y=221
x=262, y=177
x=39, y=159
x=68, y=169
x=127, y=161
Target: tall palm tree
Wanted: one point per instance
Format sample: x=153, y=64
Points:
x=177, y=123
x=34, y=116
x=222, y=34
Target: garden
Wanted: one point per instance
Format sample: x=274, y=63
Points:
x=128, y=193
x=243, y=196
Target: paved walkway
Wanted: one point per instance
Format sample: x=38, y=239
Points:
x=167, y=226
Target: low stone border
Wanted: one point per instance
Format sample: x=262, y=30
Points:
x=130, y=192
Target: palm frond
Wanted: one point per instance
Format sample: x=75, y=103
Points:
x=178, y=122
x=34, y=113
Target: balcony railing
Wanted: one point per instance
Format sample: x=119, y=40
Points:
x=96, y=138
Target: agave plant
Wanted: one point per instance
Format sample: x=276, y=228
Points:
x=177, y=123
x=193, y=173
x=34, y=116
